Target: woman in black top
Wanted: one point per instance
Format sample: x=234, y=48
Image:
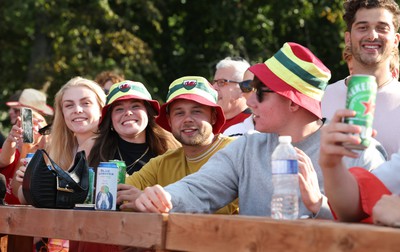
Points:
x=128, y=130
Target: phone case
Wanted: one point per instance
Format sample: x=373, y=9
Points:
x=27, y=125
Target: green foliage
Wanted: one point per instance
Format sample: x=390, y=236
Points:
x=46, y=42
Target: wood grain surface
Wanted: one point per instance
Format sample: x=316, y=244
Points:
x=190, y=232
x=110, y=227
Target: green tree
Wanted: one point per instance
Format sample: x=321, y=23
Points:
x=46, y=42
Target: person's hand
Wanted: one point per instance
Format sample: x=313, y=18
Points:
x=308, y=182
x=386, y=211
x=19, y=174
x=154, y=200
x=127, y=195
x=15, y=135
x=334, y=135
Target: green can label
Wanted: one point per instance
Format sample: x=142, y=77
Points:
x=121, y=170
x=361, y=95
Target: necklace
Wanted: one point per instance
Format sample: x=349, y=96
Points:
x=385, y=83
x=130, y=167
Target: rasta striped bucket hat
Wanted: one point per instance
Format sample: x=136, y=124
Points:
x=297, y=74
x=192, y=88
x=127, y=90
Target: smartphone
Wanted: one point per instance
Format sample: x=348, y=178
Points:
x=27, y=125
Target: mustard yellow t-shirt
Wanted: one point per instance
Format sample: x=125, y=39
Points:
x=174, y=165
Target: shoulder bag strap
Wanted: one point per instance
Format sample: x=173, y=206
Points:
x=62, y=174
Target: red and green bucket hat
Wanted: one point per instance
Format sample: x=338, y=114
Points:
x=127, y=90
x=192, y=88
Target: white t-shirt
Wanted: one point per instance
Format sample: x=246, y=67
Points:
x=389, y=173
x=387, y=111
x=247, y=126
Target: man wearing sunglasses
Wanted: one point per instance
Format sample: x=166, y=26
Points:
x=245, y=86
x=247, y=125
x=228, y=75
x=288, y=89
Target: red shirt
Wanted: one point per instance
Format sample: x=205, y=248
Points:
x=371, y=190
x=8, y=171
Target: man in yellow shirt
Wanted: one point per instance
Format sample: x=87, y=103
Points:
x=192, y=115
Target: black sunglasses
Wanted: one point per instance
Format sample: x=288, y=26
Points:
x=260, y=93
x=246, y=86
x=46, y=130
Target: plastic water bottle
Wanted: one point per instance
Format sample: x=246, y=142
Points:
x=285, y=203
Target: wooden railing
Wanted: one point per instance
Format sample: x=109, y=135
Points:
x=192, y=232
x=242, y=233
x=110, y=227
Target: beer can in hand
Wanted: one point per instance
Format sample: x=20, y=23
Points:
x=361, y=95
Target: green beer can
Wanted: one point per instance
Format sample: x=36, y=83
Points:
x=121, y=170
x=90, y=198
x=361, y=95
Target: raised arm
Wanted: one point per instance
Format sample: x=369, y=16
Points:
x=7, y=154
x=340, y=186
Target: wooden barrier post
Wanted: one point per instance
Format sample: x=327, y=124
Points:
x=3, y=242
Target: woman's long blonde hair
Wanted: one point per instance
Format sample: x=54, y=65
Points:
x=63, y=144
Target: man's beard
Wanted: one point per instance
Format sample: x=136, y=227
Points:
x=198, y=139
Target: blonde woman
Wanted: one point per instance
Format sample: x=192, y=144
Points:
x=78, y=107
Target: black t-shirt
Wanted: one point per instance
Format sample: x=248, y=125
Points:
x=135, y=155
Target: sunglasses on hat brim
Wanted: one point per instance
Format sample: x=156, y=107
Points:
x=46, y=130
x=246, y=86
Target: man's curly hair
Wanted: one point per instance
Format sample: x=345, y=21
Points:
x=352, y=6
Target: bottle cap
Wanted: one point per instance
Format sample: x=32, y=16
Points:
x=285, y=139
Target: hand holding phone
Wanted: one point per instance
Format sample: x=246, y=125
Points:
x=27, y=125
